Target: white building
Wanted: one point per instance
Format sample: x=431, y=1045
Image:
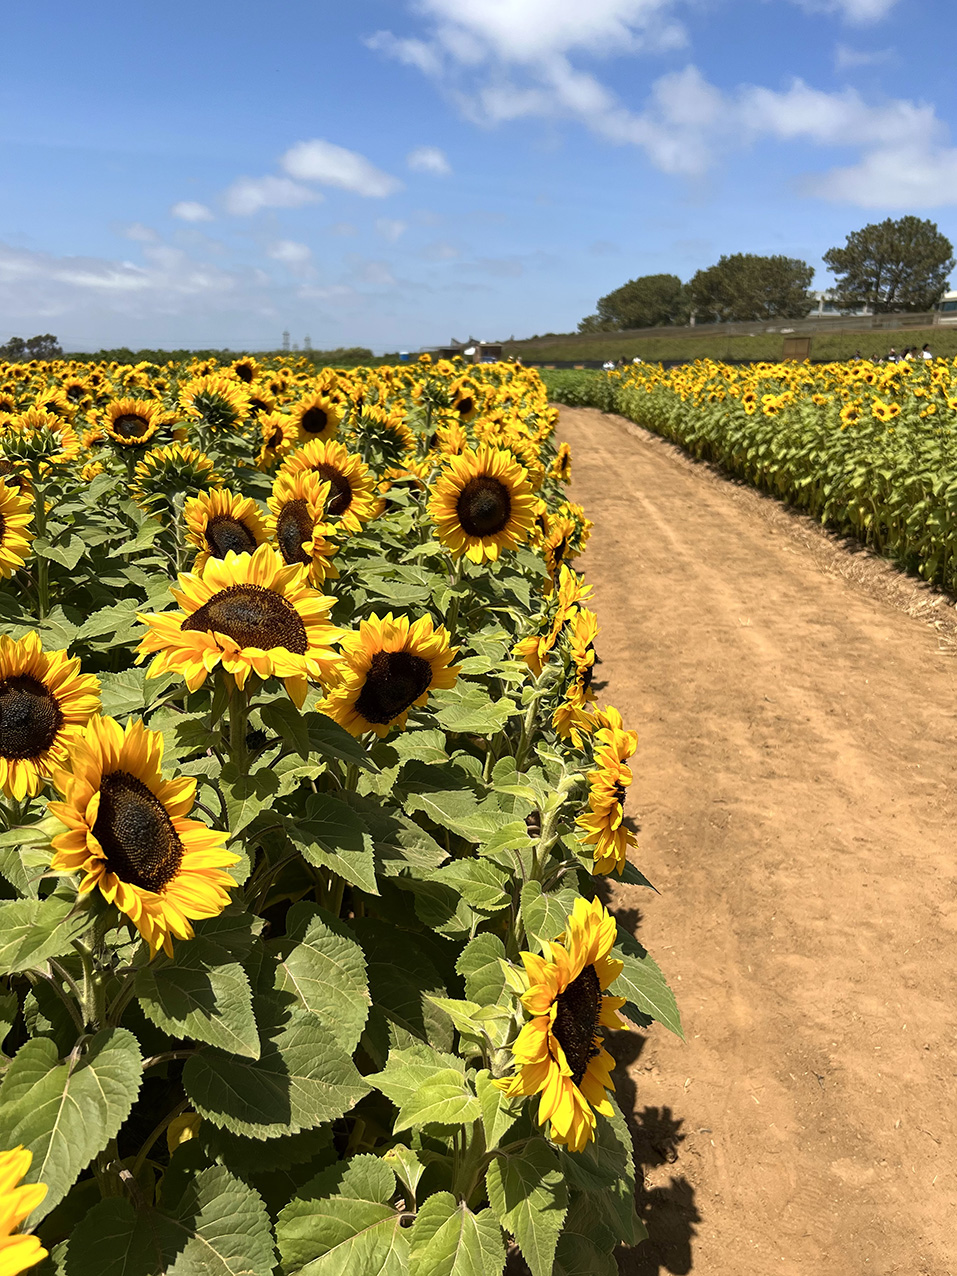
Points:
x=827, y=308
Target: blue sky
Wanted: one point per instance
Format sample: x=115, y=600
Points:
x=393, y=174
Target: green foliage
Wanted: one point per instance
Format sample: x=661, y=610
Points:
x=313, y=1059
x=650, y=301
x=746, y=286
x=892, y=266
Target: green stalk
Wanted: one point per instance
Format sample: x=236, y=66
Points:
x=238, y=720
x=43, y=564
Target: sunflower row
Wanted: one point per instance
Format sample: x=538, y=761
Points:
x=868, y=448
x=309, y=807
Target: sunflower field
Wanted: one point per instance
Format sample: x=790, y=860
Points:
x=309, y=812
x=869, y=449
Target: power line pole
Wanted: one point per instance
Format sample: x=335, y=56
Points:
x=285, y=341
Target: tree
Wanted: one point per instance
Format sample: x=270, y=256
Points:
x=650, y=301
x=746, y=286
x=892, y=265
x=44, y=346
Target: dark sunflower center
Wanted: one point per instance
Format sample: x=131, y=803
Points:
x=340, y=489
x=3, y=528
x=576, y=1021
x=276, y=439
x=395, y=681
x=620, y=793
x=560, y=552
x=258, y=405
x=136, y=833
x=244, y=372
x=224, y=533
x=253, y=616
x=465, y=405
x=293, y=526
x=484, y=506
x=131, y=426
x=30, y=716
x=315, y=420
x=587, y=676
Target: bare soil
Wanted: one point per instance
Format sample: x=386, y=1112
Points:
x=795, y=799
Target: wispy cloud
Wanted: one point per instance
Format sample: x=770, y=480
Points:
x=188, y=210
x=248, y=195
x=848, y=59
x=428, y=159
x=331, y=165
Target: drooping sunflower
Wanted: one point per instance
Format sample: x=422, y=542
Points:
x=16, y=514
x=298, y=503
x=127, y=832
x=220, y=521
x=559, y=1050
x=280, y=435
x=465, y=398
x=18, y=1250
x=561, y=467
x=536, y=649
x=387, y=667
x=482, y=503
x=571, y=719
x=44, y=702
x=352, y=495
x=603, y=821
x=217, y=400
x=251, y=614
x=168, y=472
x=132, y=422
x=316, y=416
x=557, y=548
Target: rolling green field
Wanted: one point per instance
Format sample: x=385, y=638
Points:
x=720, y=345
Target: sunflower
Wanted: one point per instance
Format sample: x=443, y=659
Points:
x=536, y=649
x=37, y=435
x=571, y=719
x=298, y=502
x=16, y=513
x=316, y=416
x=55, y=401
x=386, y=429
x=250, y=614
x=168, y=472
x=18, y=1251
x=557, y=548
x=44, y=701
x=387, y=667
x=220, y=521
x=132, y=422
x=127, y=832
x=215, y=399
x=279, y=434
x=559, y=1050
x=451, y=439
x=465, y=398
x=352, y=495
x=561, y=467
x=245, y=369
x=482, y=503
x=603, y=822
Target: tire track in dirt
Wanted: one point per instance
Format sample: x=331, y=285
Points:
x=794, y=784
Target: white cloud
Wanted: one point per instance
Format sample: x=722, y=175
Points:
x=330, y=165
x=905, y=177
x=428, y=159
x=441, y=250
x=848, y=59
x=343, y=228
x=141, y=234
x=248, y=195
x=409, y=52
x=188, y=210
x=390, y=229
x=856, y=12
x=289, y=252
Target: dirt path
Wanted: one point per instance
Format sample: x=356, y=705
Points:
x=795, y=789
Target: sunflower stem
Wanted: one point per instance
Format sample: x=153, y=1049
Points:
x=42, y=564
x=470, y=1163
x=238, y=717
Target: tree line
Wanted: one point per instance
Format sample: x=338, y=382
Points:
x=888, y=266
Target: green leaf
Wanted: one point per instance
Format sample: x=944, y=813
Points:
x=478, y=882
x=469, y=710
x=67, y=553
x=331, y=835
x=421, y=745
x=65, y=1113
x=217, y=1226
x=328, y=737
x=406, y=1166
x=461, y=1013
x=527, y=1193
x=282, y=716
x=498, y=1113
x=400, y=975
x=643, y=984
x=606, y=1168
x=586, y=1245
x=545, y=916
x=344, y=1224
x=187, y=999
x=479, y=964
x=428, y=1088
x=33, y=930
x=302, y=1077
x=459, y=811
x=119, y=621
x=449, y=1240
x=130, y=691
x=320, y=963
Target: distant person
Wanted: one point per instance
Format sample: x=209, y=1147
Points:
x=608, y=365
x=910, y=352
x=925, y=353
x=892, y=355
x=857, y=357
x=636, y=359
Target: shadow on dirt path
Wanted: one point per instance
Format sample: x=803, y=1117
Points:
x=795, y=786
